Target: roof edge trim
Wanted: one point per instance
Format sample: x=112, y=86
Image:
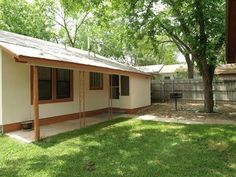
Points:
x=64, y=64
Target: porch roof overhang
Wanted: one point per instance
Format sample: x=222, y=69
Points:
x=43, y=53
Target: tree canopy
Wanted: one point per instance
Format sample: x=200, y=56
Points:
x=22, y=17
x=196, y=27
x=137, y=32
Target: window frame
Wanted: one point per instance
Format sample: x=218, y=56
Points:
x=51, y=80
x=90, y=81
x=54, y=88
x=71, y=84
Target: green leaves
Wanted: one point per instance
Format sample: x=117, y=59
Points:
x=26, y=18
x=116, y=30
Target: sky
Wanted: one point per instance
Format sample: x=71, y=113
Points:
x=180, y=58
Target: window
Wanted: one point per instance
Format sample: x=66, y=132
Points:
x=115, y=87
x=96, y=81
x=167, y=77
x=45, y=83
x=63, y=83
x=124, y=85
x=55, y=85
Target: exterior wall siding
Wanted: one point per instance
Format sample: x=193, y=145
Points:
x=15, y=90
x=140, y=92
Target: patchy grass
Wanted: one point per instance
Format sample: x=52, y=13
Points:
x=191, y=110
x=126, y=147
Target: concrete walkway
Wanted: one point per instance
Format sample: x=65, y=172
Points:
x=187, y=121
x=57, y=128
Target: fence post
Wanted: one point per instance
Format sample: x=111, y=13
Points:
x=163, y=87
x=173, y=85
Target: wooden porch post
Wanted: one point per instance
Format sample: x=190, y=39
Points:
x=110, y=96
x=80, y=103
x=84, y=116
x=82, y=98
x=36, y=103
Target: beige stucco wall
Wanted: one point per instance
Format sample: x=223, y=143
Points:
x=16, y=94
x=140, y=92
x=15, y=90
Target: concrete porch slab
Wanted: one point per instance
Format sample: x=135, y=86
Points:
x=57, y=128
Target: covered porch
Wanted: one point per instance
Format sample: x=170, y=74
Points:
x=61, y=127
x=47, y=83
x=90, y=88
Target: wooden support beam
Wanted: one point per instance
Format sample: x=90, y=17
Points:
x=110, y=97
x=80, y=109
x=36, y=103
x=82, y=99
x=84, y=118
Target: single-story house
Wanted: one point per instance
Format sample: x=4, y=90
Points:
x=167, y=72
x=226, y=71
x=48, y=83
x=171, y=71
x=151, y=69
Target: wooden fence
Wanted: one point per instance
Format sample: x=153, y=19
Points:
x=224, y=90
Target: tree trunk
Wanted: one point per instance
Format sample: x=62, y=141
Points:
x=207, y=72
x=207, y=77
x=190, y=64
x=190, y=71
x=208, y=94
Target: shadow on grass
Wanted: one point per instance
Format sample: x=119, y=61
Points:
x=56, y=139
x=133, y=148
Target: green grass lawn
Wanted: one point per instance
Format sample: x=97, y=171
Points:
x=126, y=147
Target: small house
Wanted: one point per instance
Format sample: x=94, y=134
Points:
x=47, y=83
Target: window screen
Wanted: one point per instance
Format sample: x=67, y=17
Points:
x=124, y=85
x=45, y=83
x=96, y=81
x=63, y=80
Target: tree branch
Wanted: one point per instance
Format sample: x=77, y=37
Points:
x=173, y=36
x=79, y=25
x=180, y=18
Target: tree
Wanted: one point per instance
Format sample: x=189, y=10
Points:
x=109, y=36
x=69, y=24
x=197, y=26
x=22, y=17
x=146, y=52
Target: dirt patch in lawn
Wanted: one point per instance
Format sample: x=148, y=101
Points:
x=190, y=110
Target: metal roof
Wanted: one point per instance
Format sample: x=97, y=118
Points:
x=163, y=69
x=152, y=69
x=173, y=68
x=22, y=45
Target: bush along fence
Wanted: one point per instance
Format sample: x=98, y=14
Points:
x=192, y=90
